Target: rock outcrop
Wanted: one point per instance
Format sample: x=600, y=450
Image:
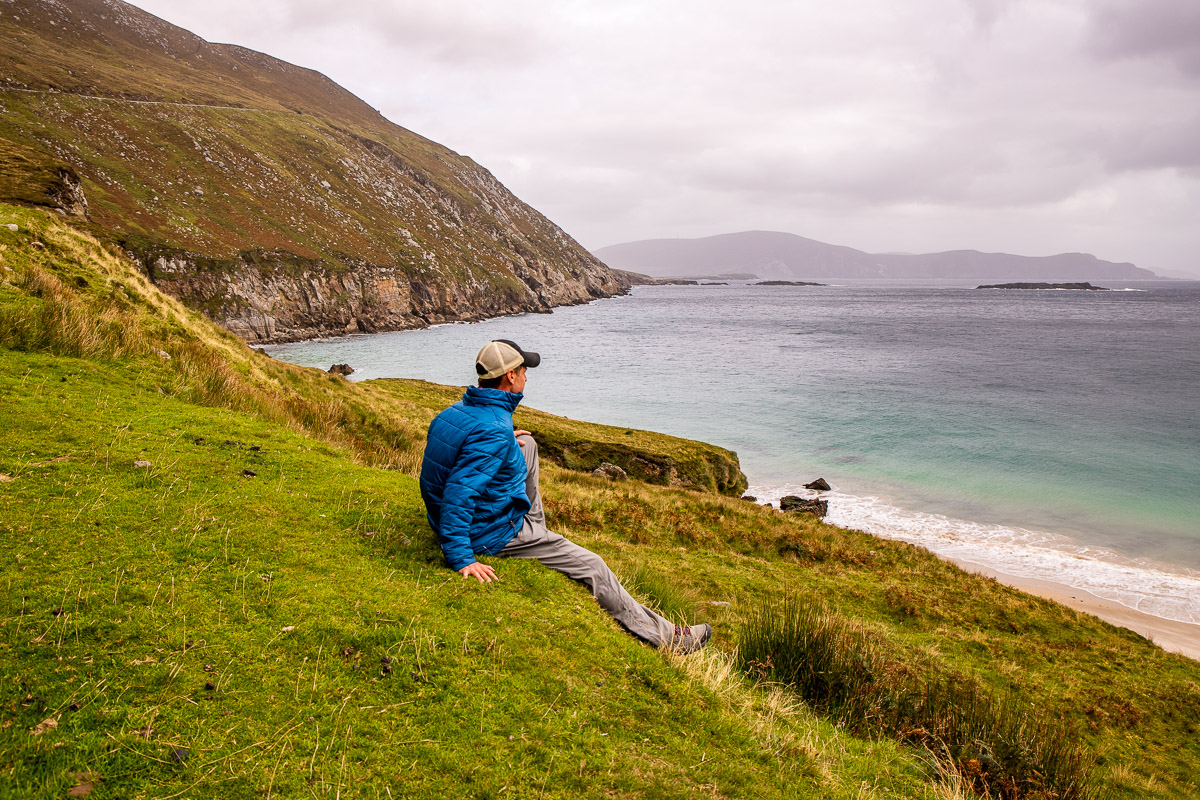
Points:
x=1079, y=286
x=610, y=471
x=801, y=505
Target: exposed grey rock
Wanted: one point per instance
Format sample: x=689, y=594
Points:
x=12, y=226
x=801, y=505
x=610, y=471
x=819, y=485
x=270, y=302
x=66, y=193
x=1081, y=286
x=142, y=465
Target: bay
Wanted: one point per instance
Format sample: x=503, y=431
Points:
x=1046, y=434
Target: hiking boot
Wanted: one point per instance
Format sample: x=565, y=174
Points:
x=690, y=638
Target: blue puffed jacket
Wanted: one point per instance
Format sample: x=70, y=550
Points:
x=473, y=476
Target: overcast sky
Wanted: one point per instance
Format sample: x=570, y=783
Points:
x=1026, y=126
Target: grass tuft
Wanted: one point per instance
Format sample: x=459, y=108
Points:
x=842, y=669
x=660, y=593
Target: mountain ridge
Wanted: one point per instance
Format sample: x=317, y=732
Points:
x=775, y=254
x=261, y=192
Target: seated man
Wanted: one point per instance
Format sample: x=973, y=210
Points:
x=479, y=480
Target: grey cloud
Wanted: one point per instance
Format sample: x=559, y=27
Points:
x=1159, y=144
x=987, y=12
x=1153, y=29
x=452, y=32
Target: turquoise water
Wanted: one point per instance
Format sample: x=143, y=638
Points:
x=1049, y=434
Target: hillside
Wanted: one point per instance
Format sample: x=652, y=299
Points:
x=786, y=256
x=219, y=583
x=259, y=192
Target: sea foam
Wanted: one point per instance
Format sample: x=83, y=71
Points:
x=1138, y=584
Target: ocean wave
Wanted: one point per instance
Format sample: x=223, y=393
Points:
x=1153, y=589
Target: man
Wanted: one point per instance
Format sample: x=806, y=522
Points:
x=479, y=480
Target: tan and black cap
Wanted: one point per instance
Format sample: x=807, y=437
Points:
x=500, y=355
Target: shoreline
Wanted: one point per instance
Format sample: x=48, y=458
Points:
x=1171, y=635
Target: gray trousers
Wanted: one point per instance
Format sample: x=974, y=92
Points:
x=579, y=564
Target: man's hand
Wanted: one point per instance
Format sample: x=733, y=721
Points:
x=522, y=433
x=481, y=572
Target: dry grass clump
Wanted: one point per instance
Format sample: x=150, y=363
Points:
x=61, y=324
x=70, y=296
x=993, y=741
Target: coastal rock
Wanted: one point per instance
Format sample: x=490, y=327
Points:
x=801, y=505
x=341, y=369
x=1084, y=286
x=610, y=471
x=749, y=498
x=819, y=485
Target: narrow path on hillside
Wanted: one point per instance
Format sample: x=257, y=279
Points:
x=144, y=102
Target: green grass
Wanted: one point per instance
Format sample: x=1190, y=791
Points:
x=1000, y=746
x=130, y=590
x=345, y=660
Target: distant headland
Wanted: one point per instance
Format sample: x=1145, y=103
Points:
x=785, y=256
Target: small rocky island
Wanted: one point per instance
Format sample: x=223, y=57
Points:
x=1085, y=286
x=787, y=283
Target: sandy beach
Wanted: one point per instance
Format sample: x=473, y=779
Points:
x=1172, y=636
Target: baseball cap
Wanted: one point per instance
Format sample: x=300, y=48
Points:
x=500, y=355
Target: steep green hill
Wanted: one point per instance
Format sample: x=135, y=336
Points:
x=260, y=192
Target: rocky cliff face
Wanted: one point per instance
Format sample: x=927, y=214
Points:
x=266, y=302
x=259, y=192
x=455, y=257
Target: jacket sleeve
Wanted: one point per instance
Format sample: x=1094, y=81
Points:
x=479, y=460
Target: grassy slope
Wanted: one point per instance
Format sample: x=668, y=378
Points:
x=127, y=590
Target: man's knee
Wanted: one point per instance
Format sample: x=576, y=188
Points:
x=529, y=449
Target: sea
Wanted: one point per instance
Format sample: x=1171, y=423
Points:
x=1045, y=434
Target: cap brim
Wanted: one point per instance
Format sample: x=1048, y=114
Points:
x=531, y=359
